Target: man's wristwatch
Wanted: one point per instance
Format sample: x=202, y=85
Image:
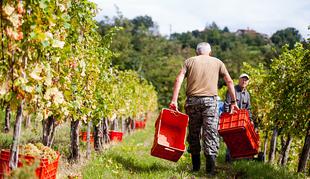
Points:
x=233, y=101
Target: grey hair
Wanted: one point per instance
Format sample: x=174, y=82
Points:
x=203, y=47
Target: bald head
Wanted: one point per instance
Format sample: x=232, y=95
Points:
x=203, y=48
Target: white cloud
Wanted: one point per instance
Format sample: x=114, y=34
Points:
x=265, y=16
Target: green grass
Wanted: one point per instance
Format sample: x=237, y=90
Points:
x=131, y=159
x=257, y=170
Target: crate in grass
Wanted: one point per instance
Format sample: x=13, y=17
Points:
x=139, y=124
x=115, y=135
x=83, y=136
x=239, y=134
x=45, y=170
x=169, y=138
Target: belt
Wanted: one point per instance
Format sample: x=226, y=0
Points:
x=202, y=96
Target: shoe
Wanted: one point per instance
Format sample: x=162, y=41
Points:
x=210, y=164
x=260, y=157
x=196, y=162
x=228, y=157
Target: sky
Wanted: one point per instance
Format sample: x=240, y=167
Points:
x=263, y=16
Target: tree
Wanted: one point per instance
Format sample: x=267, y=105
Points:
x=261, y=101
x=288, y=36
x=225, y=29
x=290, y=76
x=142, y=23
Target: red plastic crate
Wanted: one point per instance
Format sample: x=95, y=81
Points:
x=83, y=136
x=170, y=131
x=139, y=124
x=115, y=135
x=44, y=171
x=238, y=134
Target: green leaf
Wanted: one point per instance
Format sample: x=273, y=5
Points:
x=43, y=4
x=67, y=25
x=33, y=35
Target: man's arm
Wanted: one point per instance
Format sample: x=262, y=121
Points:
x=231, y=89
x=248, y=107
x=176, y=89
x=227, y=102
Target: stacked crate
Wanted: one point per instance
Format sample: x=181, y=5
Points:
x=239, y=134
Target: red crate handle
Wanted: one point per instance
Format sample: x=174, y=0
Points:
x=174, y=112
x=169, y=149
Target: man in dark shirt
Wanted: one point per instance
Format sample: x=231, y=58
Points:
x=243, y=101
x=242, y=95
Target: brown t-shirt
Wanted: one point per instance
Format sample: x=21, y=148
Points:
x=202, y=74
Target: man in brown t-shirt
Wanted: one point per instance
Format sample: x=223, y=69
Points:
x=202, y=73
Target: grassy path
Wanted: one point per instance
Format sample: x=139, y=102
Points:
x=131, y=159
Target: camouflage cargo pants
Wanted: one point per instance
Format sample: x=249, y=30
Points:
x=202, y=112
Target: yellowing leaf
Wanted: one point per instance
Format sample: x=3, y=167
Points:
x=35, y=74
x=48, y=80
x=29, y=89
x=62, y=8
x=43, y=4
x=48, y=104
x=65, y=111
x=39, y=117
x=58, y=44
x=59, y=98
x=55, y=59
x=3, y=89
x=48, y=35
x=82, y=64
x=55, y=95
x=114, y=171
x=83, y=73
x=15, y=20
x=7, y=10
x=45, y=113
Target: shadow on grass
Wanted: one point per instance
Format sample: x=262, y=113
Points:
x=181, y=170
x=132, y=164
x=253, y=169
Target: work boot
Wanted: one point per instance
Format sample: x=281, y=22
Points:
x=210, y=164
x=196, y=162
x=227, y=156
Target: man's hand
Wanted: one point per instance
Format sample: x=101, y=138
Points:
x=176, y=88
x=252, y=122
x=173, y=105
x=233, y=108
